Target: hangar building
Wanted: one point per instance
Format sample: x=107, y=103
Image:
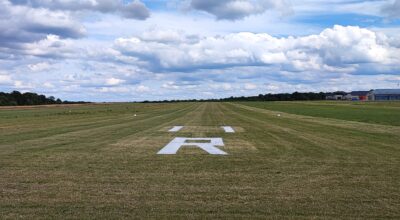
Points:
x=384, y=95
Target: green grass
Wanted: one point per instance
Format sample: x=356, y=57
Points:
x=100, y=162
x=387, y=113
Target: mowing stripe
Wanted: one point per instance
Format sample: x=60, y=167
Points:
x=228, y=129
x=175, y=129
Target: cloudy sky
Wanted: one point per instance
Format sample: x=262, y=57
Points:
x=132, y=50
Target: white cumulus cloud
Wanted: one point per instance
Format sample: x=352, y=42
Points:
x=337, y=49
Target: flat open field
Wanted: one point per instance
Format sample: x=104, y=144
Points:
x=323, y=160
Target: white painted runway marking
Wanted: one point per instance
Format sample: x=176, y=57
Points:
x=228, y=129
x=177, y=143
x=175, y=129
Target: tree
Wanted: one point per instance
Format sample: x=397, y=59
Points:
x=28, y=98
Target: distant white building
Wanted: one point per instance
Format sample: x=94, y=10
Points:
x=336, y=96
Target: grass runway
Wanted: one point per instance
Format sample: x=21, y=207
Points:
x=322, y=160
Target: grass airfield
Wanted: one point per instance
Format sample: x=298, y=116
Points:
x=323, y=160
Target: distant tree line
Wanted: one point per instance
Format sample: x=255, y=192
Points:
x=17, y=98
x=296, y=96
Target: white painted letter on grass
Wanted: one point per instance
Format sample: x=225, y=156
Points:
x=228, y=129
x=210, y=146
x=175, y=129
